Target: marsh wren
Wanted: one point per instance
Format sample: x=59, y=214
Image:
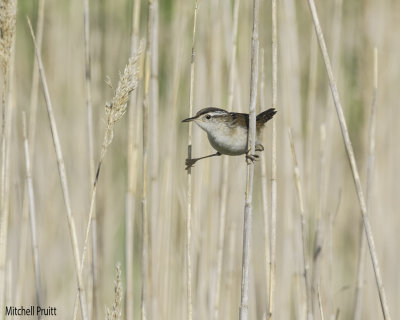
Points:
x=227, y=132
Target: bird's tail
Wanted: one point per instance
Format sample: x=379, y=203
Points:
x=266, y=115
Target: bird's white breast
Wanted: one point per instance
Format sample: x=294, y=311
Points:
x=227, y=140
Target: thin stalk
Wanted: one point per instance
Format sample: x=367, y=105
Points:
x=189, y=307
x=131, y=195
x=155, y=222
x=35, y=80
x=353, y=164
x=154, y=124
x=370, y=175
x=168, y=248
x=63, y=178
x=264, y=184
x=32, y=215
x=306, y=261
x=88, y=79
x=89, y=108
x=225, y=168
x=31, y=138
x=318, y=235
x=273, y=172
x=321, y=310
x=326, y=158
x=311, y=99
x=145, y=163
x=114, y=112
x=248, y=208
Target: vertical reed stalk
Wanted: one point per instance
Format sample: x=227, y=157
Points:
x=154, y=124
x=321, y=310
x=35, y=80
x=89, y=108
x=225, y=167
x=131, y=195
x=63, y=178
x=318, y=237
x=145, y=163
x=31, y=138
x=167, y=246
x=114, y=112
x=370, y=176
x=264, y=184
x=251, y=139
x=154, y=155
x=189, y=307
x=273, y=172
x=32, y=215
x=311, y=101
x=353, y=164
x=306, y=263
x=326, y=158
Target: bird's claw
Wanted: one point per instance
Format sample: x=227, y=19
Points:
x=189, y=163
x=252, y=158
x=259, y=147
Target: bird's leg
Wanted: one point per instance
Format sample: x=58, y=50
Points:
x=190, y=162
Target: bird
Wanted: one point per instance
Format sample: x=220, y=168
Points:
x=227, y=132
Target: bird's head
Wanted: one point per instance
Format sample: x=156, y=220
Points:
x=209, y=119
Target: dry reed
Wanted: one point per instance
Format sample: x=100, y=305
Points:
x=32, y=214
x=114, y=111
x=370, y=173
x=273, y=163
x=189, y=307
x=304, y=231
x=131, y=194
x=63, y=177
x=146, y=255
x=225, y=168
x=251, y=140
x=89, y=108
x=217, y=189
x=353, y=164
x=264, y=187
x=31, y=138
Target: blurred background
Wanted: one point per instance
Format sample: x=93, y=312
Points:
x=352, y=30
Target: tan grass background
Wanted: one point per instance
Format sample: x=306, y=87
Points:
x=352, y=29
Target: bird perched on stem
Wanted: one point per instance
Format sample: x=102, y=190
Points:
x=227, y=132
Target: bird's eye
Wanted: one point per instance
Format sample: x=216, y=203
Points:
x=208, y=117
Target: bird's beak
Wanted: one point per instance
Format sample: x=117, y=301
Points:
x=189, y=119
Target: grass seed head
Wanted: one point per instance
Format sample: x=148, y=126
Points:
x=128, y=81
x=115, y=312
x=8, y=11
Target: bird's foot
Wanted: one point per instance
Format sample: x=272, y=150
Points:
x=251, y=158
x=189, y=163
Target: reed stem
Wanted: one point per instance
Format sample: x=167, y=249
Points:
x=370, y=174
x=189, y=310
x=32, y=215
x=273, y=172
x=251, y=139
x=63, y=178
x=353, y=164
